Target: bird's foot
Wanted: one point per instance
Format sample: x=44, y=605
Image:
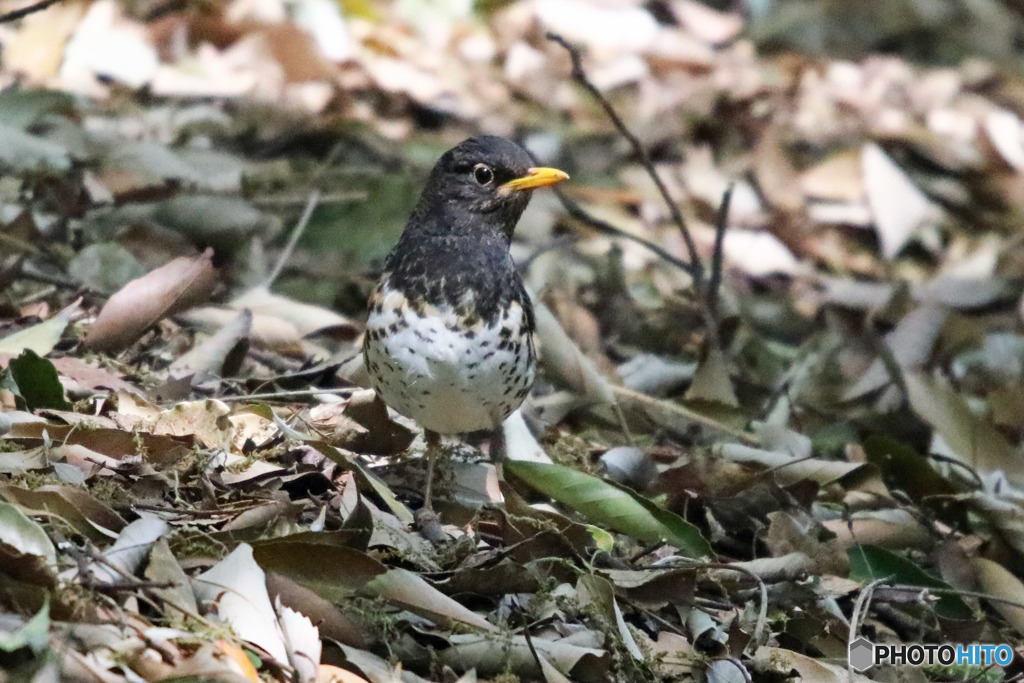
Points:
x=429, y=523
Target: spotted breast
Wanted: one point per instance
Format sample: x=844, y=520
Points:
x=450, y=372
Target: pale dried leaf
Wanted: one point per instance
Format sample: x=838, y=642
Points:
x=898, y=205
x=238, y=587
x=302, y=639
x=141, y=303
x=563, y=360
x=307, y=318
x=712, y=383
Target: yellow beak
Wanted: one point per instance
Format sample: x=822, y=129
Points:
x=535, y=177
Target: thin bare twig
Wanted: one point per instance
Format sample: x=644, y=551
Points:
x=717, y=253
x=580, y=76
x=762, y=612
x=576, y=211
x=14, y=15
x=293, y=239
x=694, y=267
x=684, y=412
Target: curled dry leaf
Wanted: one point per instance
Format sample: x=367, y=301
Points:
x=307, y=318
x=630, y=466
x=237, y=585
x=221, y=353
x=267, y=331
x=174, y=287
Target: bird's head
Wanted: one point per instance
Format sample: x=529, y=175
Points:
x=483, y=183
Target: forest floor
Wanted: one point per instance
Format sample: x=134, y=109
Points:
x=763, y=427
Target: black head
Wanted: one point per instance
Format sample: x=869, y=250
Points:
x=481, y=184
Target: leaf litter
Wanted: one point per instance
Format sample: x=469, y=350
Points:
x=194, y=482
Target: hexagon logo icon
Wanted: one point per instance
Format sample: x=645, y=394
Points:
x=861, y=654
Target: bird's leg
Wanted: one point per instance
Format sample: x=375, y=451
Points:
x=429, y=522
x=433, y=440
x=499, y=451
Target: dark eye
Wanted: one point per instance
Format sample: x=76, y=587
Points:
x=483, y=174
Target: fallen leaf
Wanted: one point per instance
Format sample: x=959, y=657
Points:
x=609, y=504
x=237, y=586
x=899, y=207
x=180, y=284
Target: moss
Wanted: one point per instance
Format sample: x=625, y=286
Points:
x=112, y=491
x=573, y=451
x=7, y=446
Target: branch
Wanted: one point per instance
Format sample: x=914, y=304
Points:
x=579, y=213
x=706, y=292
x=717, y=253
x=14, y=15
x=696, y=269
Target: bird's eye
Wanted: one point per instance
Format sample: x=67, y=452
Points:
x=483, y=174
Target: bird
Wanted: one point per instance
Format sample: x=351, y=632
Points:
x=449, y=332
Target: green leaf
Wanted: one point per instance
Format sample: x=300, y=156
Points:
x=614, y=506
x=870, y=563
x=37, y=381
x=41, y=337
x=33, y=634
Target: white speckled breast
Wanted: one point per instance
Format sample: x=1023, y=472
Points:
x=449, y=378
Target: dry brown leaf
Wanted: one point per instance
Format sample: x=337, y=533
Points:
x=781, y=661
x=896, y=529
x=838, y=178
x=971, y=439
x=86, y=376
x=910, y=343
x=999, y=582
x=334, y=674
x=180, y=284
x=206, y=420
x=711, y=26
